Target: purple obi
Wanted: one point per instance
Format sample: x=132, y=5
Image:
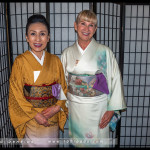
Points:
x=87, y=85
x=42, y=96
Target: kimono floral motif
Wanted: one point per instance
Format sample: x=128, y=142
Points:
x=113, y=121
x=89, y=135
x=82, y=85
x=101, y=61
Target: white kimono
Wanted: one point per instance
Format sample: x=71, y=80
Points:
x=85, y=113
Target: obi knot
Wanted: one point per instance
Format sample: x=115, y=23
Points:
x=101, y=83
x=56, y=90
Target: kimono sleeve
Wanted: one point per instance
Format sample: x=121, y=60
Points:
x=116, y=97
x=64, y=63
x=20, y=110
x=62, y=115
x=62, y=81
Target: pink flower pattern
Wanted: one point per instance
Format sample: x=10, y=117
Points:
x=89, y=135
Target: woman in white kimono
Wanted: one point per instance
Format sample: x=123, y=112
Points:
x=95, y=88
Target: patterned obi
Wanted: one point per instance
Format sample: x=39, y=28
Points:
x=87, y=85
x=41, y=96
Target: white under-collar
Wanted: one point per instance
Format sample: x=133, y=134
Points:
x=41, y=61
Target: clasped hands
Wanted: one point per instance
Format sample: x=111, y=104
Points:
x=42, y=118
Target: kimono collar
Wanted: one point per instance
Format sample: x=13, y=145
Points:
x=90, y=49
x=39, y=60
x=36, y=66
x=86, y=58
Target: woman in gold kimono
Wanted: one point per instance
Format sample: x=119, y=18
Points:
x=37, y=90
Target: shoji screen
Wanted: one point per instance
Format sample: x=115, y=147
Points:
x=108, y=33
x=6, y=130
x=135, y=124
x=61, y=17
x=19, y=12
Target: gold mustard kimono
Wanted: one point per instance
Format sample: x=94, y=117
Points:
x=21, y=111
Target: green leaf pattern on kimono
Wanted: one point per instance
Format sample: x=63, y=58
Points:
x=101, y=62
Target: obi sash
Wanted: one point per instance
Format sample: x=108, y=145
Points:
x=87, y=85
x=41, y=96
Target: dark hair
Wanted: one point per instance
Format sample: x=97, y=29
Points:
x=37, y=18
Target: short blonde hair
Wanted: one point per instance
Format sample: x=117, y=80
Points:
x=87, y=15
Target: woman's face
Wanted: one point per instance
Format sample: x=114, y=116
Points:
x=85, y=30
x=37, y=37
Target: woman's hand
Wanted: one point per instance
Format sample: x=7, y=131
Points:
x=106, y=119
x=50, y=111
x=40, y=119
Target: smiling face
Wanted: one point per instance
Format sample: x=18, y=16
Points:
x=85, y=31
x=37, y=37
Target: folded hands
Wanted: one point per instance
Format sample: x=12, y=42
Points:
x=42, y=118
